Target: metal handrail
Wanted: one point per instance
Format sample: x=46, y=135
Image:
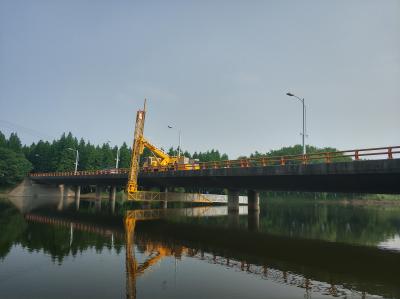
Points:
x=323, y=157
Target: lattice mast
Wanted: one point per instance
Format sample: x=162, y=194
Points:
x=137, y=149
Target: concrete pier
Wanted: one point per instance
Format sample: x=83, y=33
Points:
x=77, y=196
x=253, y=220
x=233, y=200
x=253, y=200
x=233, y=218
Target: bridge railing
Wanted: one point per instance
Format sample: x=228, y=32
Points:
x=83, y=172
x=325, y=157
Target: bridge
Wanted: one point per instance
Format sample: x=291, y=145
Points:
x=351, y=171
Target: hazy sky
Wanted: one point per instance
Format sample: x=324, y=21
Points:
x=219, y=70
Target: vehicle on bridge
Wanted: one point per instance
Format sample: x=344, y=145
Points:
x=161, y=161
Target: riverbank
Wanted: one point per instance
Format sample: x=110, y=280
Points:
x=5, y=190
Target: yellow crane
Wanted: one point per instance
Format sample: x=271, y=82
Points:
x=160, y=157
x=136, y=152
x=160, y=162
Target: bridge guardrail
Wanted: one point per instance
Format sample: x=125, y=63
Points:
x=324, y=157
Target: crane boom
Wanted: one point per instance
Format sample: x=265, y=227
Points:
x=163, y=158
x=137, y=149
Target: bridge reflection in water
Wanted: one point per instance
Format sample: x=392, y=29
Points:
x=307, y=264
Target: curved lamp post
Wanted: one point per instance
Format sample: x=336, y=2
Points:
x=179, y=135
x=117, y=158
x=76, y=158
x=304, y=119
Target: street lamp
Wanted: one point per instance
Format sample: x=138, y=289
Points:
x=179, y=146
x=304, y=118
x=117, y=159
x=76, y=158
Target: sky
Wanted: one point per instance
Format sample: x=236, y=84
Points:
x=217, y=70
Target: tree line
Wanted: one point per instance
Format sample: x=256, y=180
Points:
x=16, y=159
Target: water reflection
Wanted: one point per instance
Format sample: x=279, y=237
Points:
x=258, y=244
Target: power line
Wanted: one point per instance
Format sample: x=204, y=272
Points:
x=16, y=127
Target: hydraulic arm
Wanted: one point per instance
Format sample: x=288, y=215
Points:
x=162, y=158
x=137, y=149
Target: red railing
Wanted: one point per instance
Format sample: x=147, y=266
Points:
x=325, y=157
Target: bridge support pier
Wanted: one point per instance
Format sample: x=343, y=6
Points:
x=233, y=218
x=77, y=196
x=233, y=201
x=64, y=192
x=253, y=220
x=253, y=200
x=98, y=197
x=113, y=196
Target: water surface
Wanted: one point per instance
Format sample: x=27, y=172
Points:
x=290, y=249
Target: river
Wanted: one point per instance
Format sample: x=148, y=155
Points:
x=290, y=249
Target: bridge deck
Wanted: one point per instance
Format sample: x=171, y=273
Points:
x=363, y=176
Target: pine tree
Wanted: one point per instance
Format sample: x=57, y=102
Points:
x=3, y=140
x=14, y=143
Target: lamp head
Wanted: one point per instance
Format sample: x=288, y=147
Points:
x=290, y=94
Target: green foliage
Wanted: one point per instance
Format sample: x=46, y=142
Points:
x=60, y=155
x=124, y=156
x=298, y=150
x=3, y=140
x=12, y=225
x=212, y=155
x=14, y=143
x=13, y=167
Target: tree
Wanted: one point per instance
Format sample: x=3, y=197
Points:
x=13, y=167
x=208, y=156
x=298, y=150
x=3, y=140
x=124, y=156
x=107, y=156
x=14, y=143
